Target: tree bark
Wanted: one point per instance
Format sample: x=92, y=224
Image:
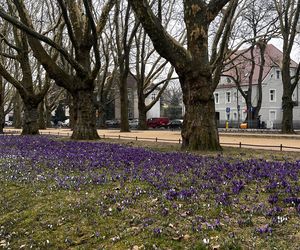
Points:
x=287, y=114
x=142, y=115
x=124, y=106
x=17, y=120
x=30, y=119
x=41, y=120
x=142, y=107
x=2, y=118
x=85, y=113
x=199, y=131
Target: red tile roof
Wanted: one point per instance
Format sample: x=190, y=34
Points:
x=273, y=58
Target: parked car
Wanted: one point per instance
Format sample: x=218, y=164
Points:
x=8, y=123
x=64, y=124
x=133, y=123
x=175, y=124
x=158, y=122
x=112, y=123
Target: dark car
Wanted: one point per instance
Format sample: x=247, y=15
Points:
x=159, y=122
x=175, y=124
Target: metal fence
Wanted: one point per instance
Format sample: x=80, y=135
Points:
x=280, y=147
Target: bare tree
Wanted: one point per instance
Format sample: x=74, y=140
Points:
x=83, y=32
x=25, y=85
x=256, y=26
x=152, y=72
x=193, y=65
x=288, y=12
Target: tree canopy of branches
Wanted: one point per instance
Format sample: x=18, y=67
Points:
x=83, y=35
x=18, y=55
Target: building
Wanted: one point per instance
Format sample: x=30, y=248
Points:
x=133, y=112
x=231, y=106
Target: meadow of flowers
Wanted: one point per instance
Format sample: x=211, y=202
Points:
x=95, y=195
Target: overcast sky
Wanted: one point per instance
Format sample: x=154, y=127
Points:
x=295, y=52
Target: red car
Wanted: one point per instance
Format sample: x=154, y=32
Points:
x=158, y=122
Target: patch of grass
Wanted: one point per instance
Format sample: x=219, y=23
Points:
x=67, y=203
x=231, y=152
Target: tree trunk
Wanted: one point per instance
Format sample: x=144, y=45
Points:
x=287, y=115
x=17, y=119
x=124, y=106
x=287, y=102
x=85, y=113
x=2, y=118
x=101, y=116
x=30, y=119
x=142, y=113
x=42, y=123
x=48, y=116
x=199, y=130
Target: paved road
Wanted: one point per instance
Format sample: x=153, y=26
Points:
x=266, y=141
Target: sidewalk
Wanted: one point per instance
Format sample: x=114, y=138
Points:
x=270, y=141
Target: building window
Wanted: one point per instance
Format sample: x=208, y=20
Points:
x=228, y=97
x=277, y=74
x=153, y=96
x=217, y=100
x=272, y=95
x=228, y=79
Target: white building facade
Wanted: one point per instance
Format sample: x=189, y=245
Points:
x=231, y=106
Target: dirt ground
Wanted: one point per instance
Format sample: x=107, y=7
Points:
x=264, y=141
x=226, y=139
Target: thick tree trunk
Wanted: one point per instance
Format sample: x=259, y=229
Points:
x=287, y=102
x=48, y=118
x=17, y=119
x=72, y=110
x=85, y=113
x=142, y=114
x=287, y=115
x=2, y=118
x=124, y=107
x=199, y=130
x=101, y=116
x=30, y=119
x=42, y=122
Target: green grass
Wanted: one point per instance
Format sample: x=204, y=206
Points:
x=32, y=216
x=36, y=216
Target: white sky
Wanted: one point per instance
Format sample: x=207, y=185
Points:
x=295, y=55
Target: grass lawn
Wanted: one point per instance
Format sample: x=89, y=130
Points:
x=61, y=194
